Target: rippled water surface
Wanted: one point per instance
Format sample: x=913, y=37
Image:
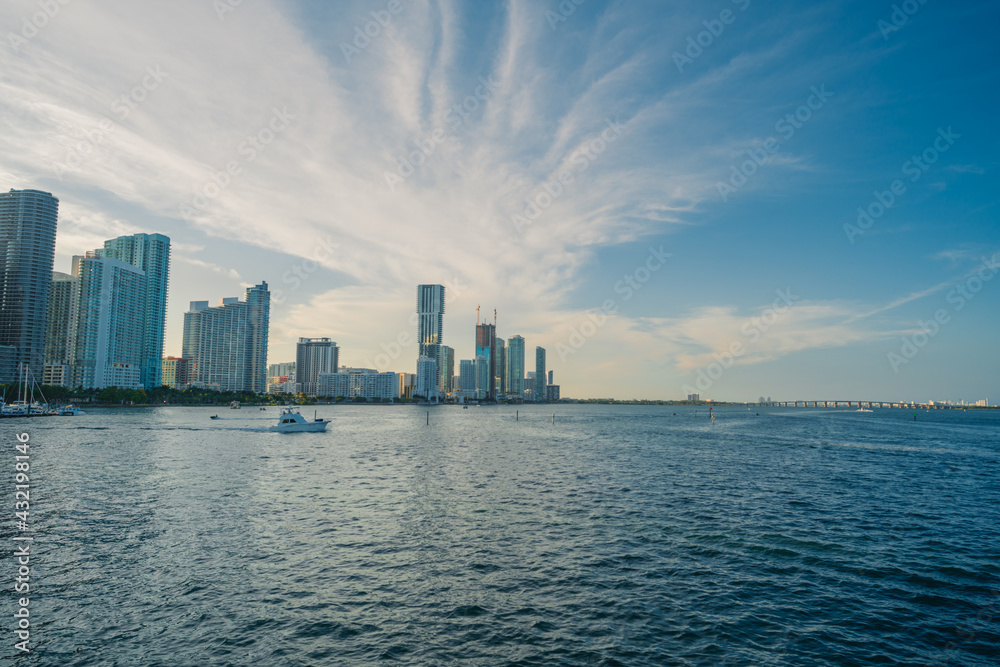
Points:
x=616, y=536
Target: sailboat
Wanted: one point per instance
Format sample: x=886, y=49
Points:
x=23, y=406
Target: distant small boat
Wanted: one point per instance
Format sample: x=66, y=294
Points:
x=863, y=410
x=290, y=421
x=235, y=405
x=70, y=411
x=214, y=417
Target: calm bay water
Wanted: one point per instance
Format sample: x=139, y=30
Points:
x=617, y=536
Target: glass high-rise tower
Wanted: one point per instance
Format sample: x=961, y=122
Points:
x=62, y=311
x=430, y=324
x=540, y=376
x=27, y=248
x=515, y=366
x=486, y=337
x=151, y=253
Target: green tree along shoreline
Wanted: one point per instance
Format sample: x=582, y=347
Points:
x=117, y=397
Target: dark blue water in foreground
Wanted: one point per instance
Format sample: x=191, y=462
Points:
x=618, y=536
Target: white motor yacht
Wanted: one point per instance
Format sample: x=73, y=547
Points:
x=290, y=421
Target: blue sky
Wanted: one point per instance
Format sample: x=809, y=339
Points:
x=128, y=112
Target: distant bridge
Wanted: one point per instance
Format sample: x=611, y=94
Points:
x=854, y=404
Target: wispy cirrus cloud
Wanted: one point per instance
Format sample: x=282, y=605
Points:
x=324, y=176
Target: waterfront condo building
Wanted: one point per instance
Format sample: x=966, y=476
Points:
x=312, y=357
x=467, y=378
x=515, y=366
x=107, y=350
x=59, y=338
x=500, y=353
x=227, y=344
x=354, y=383
x=151, y=254
x=428, y=380
x=486, y=337
x=447, y=369
x=27, y=249
x=430, y=324
x=540, y=384
x=176, y=372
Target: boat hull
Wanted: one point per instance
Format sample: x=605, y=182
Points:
x=308, y=427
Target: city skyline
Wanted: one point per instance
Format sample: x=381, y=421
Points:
x=804, y=185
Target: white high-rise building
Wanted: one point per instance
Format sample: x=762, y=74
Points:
x=366, y=383
x=227, y=344
x=427, y=378
x=110, y=307
x=314, y=356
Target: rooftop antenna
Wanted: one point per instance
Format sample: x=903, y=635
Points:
x=494, y=318
x=477, y=316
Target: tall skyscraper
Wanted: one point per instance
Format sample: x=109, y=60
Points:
x=515, y=366
x=486, y=336
x=430, y=324
x=62, y=310
x=312, y=357
x=151, y=253
x=110, y=307
x=227, y=344
x=500, y=351
x=27, y=248
x=540, y=374
x=447, y=370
